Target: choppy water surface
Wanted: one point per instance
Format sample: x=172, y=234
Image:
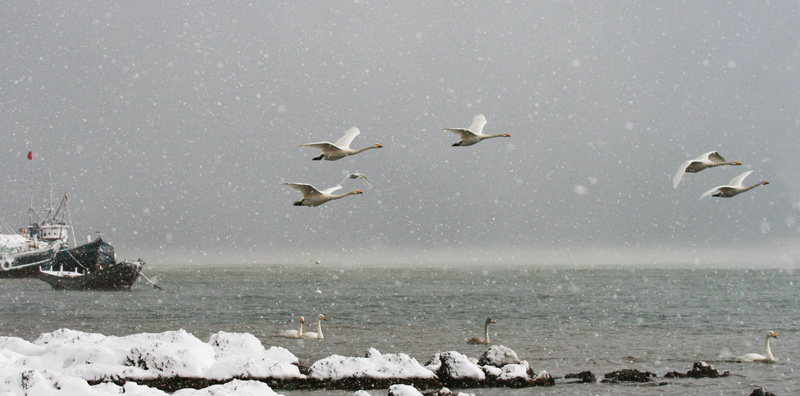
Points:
x=562, y=321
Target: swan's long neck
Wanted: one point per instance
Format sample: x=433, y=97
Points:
x=342, y=196
x=493, y=136
x=750, y=188
x=486, y=332
x=768, y=351
x=319, y=328
x=356, y=151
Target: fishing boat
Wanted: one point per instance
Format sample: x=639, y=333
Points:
x=23, y=254
x=117, y=276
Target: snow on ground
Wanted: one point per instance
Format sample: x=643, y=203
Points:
x=66, y=362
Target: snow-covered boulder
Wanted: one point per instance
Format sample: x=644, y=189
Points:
x=375, y=365
x=403, y=390
x=232, y=388
x=241, y=366
x=498, y=356
x=454, y=368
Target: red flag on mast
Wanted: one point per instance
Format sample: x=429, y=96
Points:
x=30, y=155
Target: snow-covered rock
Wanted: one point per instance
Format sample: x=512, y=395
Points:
x=454, y=366
x=403, y=390
x=498, y=356
x=375, y=365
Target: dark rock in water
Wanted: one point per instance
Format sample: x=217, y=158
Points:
x=761, y=392
x=498, y=356
x=699, y=370
x=629, y=375
x=584, y=376
x=543, y=378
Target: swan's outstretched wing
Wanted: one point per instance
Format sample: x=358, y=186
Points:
x=676, y=179
x=465, y=134
x=331, y=189
x=305, y=189
x=737, y=181
x=477, y=124
x=713, y=157
x=344, y=141
x=711, y=191
x=324, y=146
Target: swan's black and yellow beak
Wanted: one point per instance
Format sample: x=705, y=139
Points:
x=506, y=135
x=378, y=145
x=764, y=182
x=773, y=335
x=358, y=192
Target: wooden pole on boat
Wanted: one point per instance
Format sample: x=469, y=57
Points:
x=155, y=286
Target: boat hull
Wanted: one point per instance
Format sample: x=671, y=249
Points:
x=119, y=276
x=27, y=264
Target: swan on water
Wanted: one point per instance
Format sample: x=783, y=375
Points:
x=294, y=333
x=318, y=334
x=733, y=188
x=708, y=160
x=318, y=291
x=314, y=197
x=485, y=339
x=356, y=176
x=754, y=357
x=474, y=133
x=339, y=149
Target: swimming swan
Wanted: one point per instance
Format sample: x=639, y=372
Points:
x=485, y=340
x=314, y=197
x=474, y=133
x=339, y=149
x=707, y=160
x=734, y=187
x=318, y=334
x=294, y=333
x=754, y=357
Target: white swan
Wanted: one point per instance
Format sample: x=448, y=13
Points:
x=474, y=133
x=754, y=357
x=708, y=160
x=317, y=261
x=314, y=197
x=318, y=334
x=318, y=291
x=733, y=188
x=356, y=176
x=294, y=333
x=485, y=339
x=340, y=149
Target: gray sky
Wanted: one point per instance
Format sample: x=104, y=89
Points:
x=172, y=126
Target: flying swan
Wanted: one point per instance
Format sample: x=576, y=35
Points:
x=294, y=333
x=340, y=149
x=707, y=160
x=474, y=133
x=733, y=188
x=754, y=357
x=356, y=176
x=485, y=339
x=318, y=334
x=314, y=197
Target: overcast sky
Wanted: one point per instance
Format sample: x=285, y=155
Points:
x=171, y=127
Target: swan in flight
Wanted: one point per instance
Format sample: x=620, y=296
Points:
x=356, y=176
x=474, y=133
x=294, y=333
x=314, y=197
x=707, y=160
x=339, y=149
x=754, y=357
x=317, y=261
x=485, y=339
x=732, y=189
x=318, y=334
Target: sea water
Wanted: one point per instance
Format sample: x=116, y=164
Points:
x=559, y=320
